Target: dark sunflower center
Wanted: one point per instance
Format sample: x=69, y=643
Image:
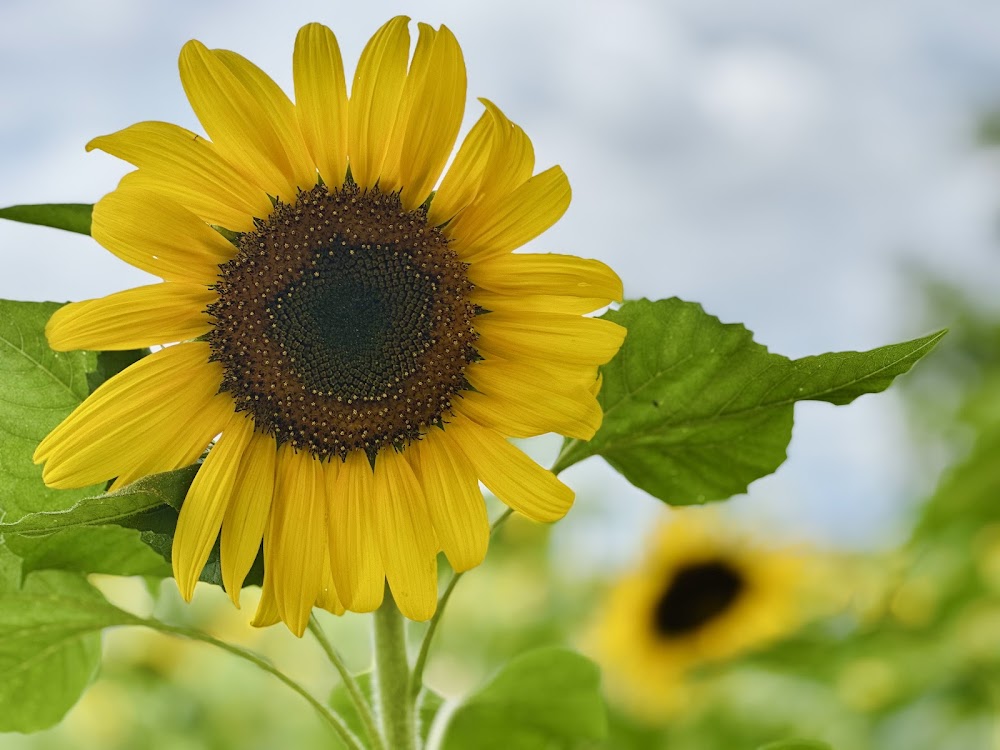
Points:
x=696, y=595
x=344, y=322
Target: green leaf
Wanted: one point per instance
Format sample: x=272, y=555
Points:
x=695, y=410
x=795, y=745
x=340, y=701
x=73, y=217
x=125, y=507
x=547, y=699
x=98, y=549
x=38, y=388
x=110, y=364
x=50, y=646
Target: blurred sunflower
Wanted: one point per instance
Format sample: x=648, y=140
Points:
x=355, y=346
x=703, y=594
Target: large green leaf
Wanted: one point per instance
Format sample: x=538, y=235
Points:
x=128, y=506
x=547, y=699
x=73, y=217
x=50, y=646
x=96, y=549
x=695, y=410
x=38, y=388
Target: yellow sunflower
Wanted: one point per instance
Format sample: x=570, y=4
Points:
x=703, y=594
x=354, y=346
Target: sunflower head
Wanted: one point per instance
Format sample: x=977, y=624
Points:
x=702, y=595
x=341, y=323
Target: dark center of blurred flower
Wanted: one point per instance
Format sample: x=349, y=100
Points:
x=343, y=323
x=696, y=595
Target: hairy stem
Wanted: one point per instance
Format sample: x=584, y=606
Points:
x=392, y=671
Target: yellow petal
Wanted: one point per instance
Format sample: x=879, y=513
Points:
x=461, y=182
x=523, y=401
x=205, y=504
x=547, y=274
x=298, y=536
x=510, y=474
x=511, y=160
x=133, y=319
x=548, y=336
x=246, y=517
x=513, y=220
x=156, y=234
x=321, y=100
x=354, y=555
x=267, y=607
x=390, y=178
x=454, y=501
x=164, y=404
x=328, y=597
x=240, y=124
x=189, y=169
x=406, y=538
x=375, y=94
x=435, y=95
x=499, y=158
x=279, y=113
x=496, y=301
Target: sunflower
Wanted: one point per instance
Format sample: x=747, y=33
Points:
x=352, y=346
x=702, y=595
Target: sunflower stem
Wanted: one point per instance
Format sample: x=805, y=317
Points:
x=361, y=704
x=327, y=714
x=392, y=673
x=417, y=676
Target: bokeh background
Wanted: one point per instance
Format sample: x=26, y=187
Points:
x=800, y=168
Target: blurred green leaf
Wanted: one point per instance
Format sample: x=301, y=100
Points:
x=340, y=701
x=695, y=410
x=38, y=389
x=547, y=699
x=796, y=745
x=50, y=646
x=73, y=217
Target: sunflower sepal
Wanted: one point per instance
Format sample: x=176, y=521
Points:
x=695, y=409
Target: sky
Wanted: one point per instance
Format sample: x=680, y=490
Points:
x=781, y=163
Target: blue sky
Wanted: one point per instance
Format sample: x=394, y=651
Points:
x=780, y=163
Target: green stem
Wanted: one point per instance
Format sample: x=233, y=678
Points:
x=392, y=671
x=361, y=704
x=417, y=677
x=567, y=447
x=336, y=723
